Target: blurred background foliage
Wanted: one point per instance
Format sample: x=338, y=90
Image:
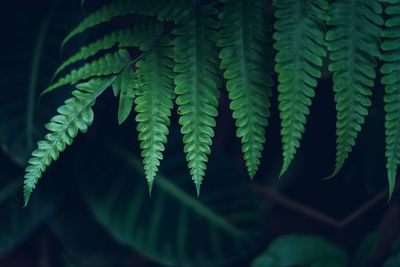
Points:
x=96, y=211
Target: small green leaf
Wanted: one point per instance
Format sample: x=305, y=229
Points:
x=126, y=88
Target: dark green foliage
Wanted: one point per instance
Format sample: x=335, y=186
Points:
x=353, y=43
x=186, y=51
x=299, y=39
x=247, y=62
x=214, y=42
x=197, y=86
x=220, y=226
x=390, y=71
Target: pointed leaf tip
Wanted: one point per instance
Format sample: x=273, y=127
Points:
x=335, y=172
x=284, y=169
x=26, y=196
x=392, y=181
x=150, y=188
x=26, y=201
x=121, y=119
x=252, y=174
x=198, y=189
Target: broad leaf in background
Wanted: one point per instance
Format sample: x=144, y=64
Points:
x=68, y=262
x=394, y=260
x=173, y=226
x=367, y=249
x=84, y=240
x=303, y=250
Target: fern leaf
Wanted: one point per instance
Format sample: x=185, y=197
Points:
x=128, y=37
x=104, y=14
x=248, y=69
x=75, y=115
x=353, y=42
x=109, y=64
x=299, y=40
x=125, y=85
x=197, y=86
x=390, y=71
x=154, y=104
x=167, y=10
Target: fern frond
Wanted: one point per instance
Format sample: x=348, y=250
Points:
x=154, y=104
x=353, y=42
x=75, y=115
x=128, y=37
x=391, y=79
x=299, y=40
x=167, y=10
x=248, y=69
x=106, y=65
x=104, y=14
x=197, y=86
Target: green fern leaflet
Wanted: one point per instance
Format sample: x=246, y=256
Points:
x=390, y=71
x=353, y=53
x=154, y=104
x=299, y=39
x=76, y=115
x=197, y=86
x=248, y=68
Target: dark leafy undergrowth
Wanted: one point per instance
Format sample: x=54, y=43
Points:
x=173, y=226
